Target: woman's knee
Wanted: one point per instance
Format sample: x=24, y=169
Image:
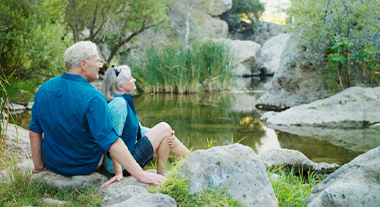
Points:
x=165, y=127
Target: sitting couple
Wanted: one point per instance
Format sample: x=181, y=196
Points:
x=72, y=125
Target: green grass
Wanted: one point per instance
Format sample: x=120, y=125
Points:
x=174, y=68
x=291, y=189
x=20, y=191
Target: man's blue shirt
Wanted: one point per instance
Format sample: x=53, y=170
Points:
x=77, y=128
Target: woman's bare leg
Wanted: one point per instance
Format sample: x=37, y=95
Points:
x=158, y=136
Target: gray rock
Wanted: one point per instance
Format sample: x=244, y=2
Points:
x=16, y=107
x=272, y=50
x=294, y=159
x=129, y=180
x=30, y=105
x=53, y=201
x=351, y=108
x=148, y=200
x=295, y=81
x=356, y=183
x=236, y=168
x=121, y=194
x=73, y=182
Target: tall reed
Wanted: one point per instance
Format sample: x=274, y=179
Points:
x=4, y=109
x=204, y=65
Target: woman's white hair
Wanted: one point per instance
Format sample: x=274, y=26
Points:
x=80, y=50
x=111, y=81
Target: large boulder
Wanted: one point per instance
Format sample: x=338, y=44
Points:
x=236, y=168
x=354, y=184
x=354, y=107
x=272, y=50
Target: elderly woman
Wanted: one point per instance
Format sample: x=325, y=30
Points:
x=117, y=86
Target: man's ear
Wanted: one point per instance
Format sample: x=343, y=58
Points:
x=83, y=65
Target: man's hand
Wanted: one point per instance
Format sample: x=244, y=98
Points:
x=117, y=177
x=38, y=170
x=151, y=178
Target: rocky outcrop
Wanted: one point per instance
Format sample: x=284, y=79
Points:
x=354, y=107
x=236, y=168
x=288, y=159
x=272, y=50
x=354, y=184
x=295, y=81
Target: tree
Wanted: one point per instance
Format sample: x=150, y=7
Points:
x=31, y=38
x=319, y=21
x=113, y=22
x=347, y=33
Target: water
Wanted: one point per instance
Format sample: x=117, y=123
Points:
x=202, y=120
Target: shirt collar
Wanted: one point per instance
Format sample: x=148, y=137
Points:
x=73, y=77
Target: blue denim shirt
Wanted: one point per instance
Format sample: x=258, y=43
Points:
x=75, y=120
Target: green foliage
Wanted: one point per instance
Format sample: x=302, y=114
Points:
x=337, y=61
x=341, y=53
x=114, y=22
x=291, y=189
x=319, y=21
x=175, y=68
x=31, y=38
x=177, y=187
x=248, y=9
x=367, y=58
x=19, y=190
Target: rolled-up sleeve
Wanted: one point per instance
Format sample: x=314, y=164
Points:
x=100, y=123
x=34, y=124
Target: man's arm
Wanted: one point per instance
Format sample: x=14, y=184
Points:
x=35, y=144
x=122, y=155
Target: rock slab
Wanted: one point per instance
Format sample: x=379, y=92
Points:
x=356, y=183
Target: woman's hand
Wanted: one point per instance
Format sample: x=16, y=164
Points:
x=171, y=139
x=117, y=177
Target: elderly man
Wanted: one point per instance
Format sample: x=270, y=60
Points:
x=71, y=128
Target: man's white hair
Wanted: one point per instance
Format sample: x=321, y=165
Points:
x=80, y=50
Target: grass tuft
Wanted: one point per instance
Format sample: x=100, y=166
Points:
x=174, y=68
x=291, y=189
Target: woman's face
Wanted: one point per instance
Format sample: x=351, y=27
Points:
x=129, y=84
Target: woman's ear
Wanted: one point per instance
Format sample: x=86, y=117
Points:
x=119, y=88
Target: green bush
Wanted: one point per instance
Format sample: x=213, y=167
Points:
x=31, y=38
x=174, y=68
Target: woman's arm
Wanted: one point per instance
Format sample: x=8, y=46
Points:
x=118, y=173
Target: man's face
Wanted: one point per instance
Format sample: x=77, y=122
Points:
x=93, y=67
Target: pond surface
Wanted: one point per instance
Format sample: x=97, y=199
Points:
x=216, y=119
